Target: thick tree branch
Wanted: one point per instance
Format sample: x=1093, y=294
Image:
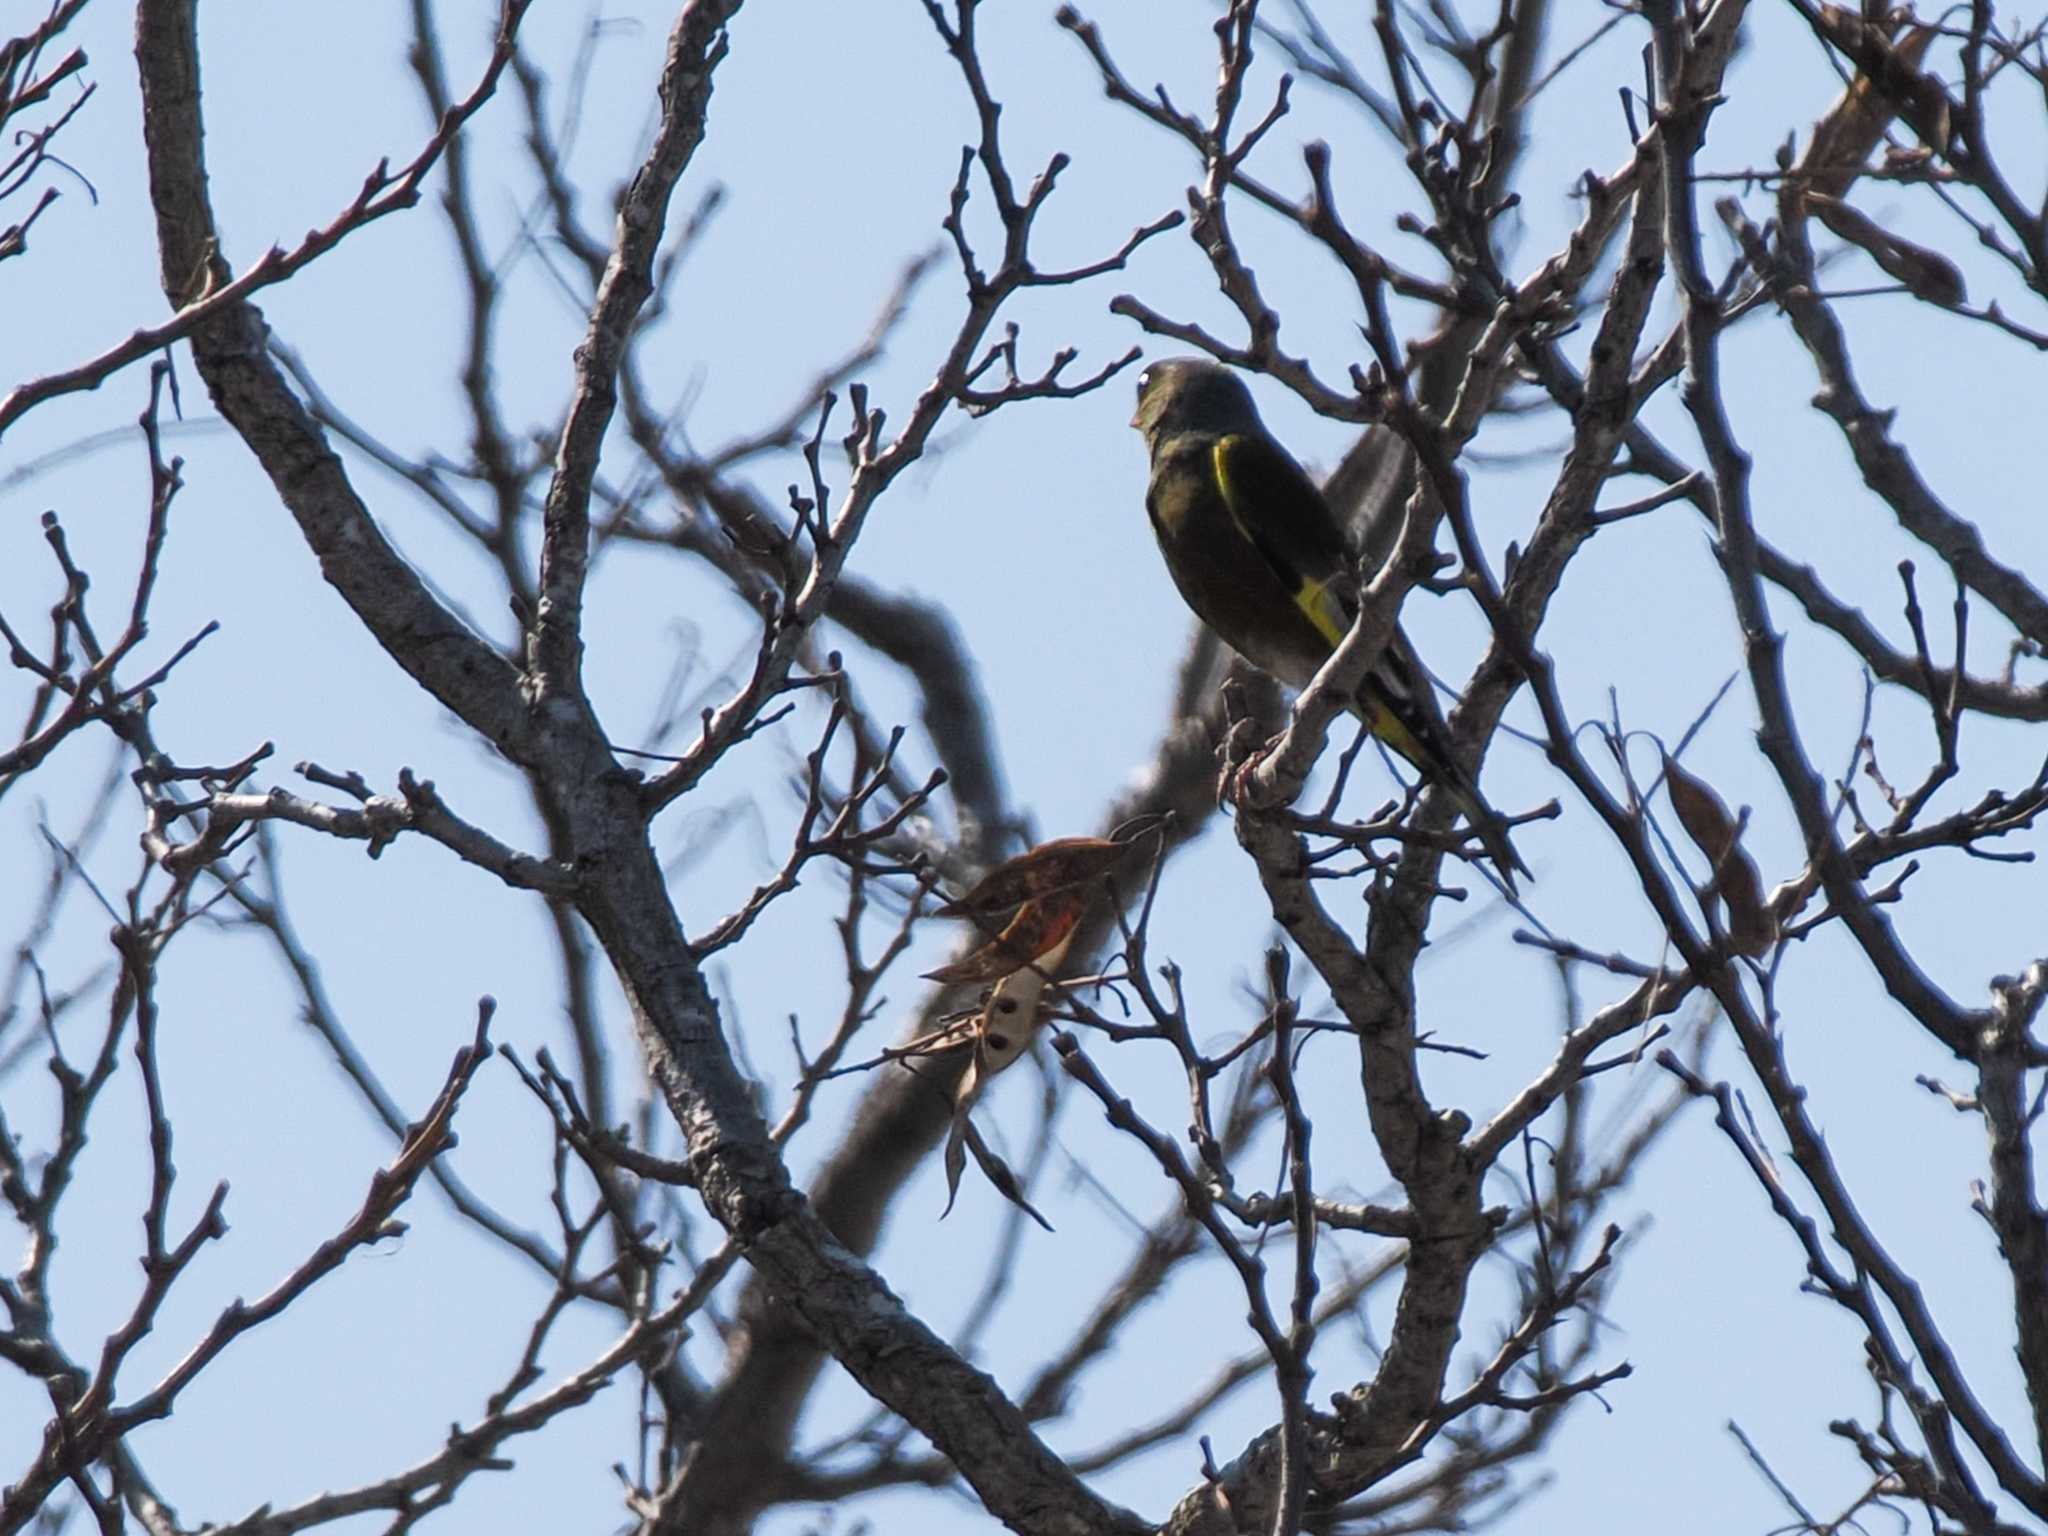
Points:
x=440, y=652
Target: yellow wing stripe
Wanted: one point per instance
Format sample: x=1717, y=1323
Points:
x=1315, y=599
x=1219, y=460
x=1390, y=728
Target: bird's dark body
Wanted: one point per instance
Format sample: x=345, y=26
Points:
x=1262, y=560
x=1218, y=574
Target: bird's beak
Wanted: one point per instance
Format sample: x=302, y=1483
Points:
x=1134, y=420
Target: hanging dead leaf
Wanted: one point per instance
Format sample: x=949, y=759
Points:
x=1853, y=127
x=1010, y=1020
x=956, y=1134
x=1001, y=1029
x=999, y=1174
x=1011, y=1017
x=1892, y=69
x=1751, y=928
x=965, y=1138
x=1927, y=274
x=1700, y=811
x=1039, y=925
x=1001, y=1032
x=1050, y=867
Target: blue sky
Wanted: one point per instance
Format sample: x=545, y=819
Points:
x=835, y=131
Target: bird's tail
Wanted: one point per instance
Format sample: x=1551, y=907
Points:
x=1418, y=739
x=1492, y=830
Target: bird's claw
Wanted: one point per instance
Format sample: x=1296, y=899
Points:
x=1234, y=785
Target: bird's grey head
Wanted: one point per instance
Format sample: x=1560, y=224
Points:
x=1192, y=394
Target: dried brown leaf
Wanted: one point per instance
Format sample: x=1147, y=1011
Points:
x=1039, y=926
x=962, y=1138
x=1700, y=812
x=1007, y=1023
x=1050, y=867
x=1891, y=72
x=972, y=1081
x=1006, y=1029
x=1853, y=127
x=1703, y=814
x=1752, y=928
x=998, y=1173
x=1928, y=274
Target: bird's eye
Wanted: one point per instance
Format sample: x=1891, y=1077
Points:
x=1144, y=383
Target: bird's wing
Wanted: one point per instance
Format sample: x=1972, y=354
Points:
x=1280, y=511
x=1278, y=508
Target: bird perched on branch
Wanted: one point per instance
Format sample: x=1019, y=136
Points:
x=1259, y=556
